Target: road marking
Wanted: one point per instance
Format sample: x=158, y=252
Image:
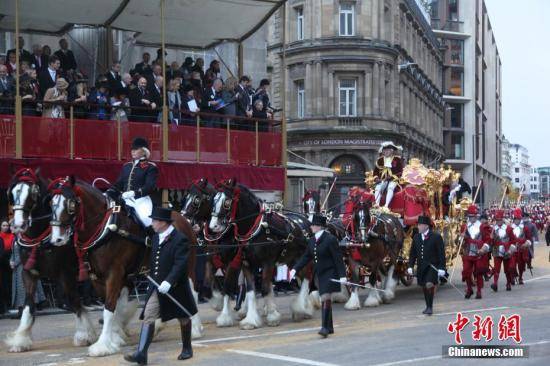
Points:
x=54, y=355
x=411, y=360
x=48, y=364
x=272, y=356
x=255, y=335
x=471, y=311
x=537, y=343
x=538, y=278
x=76, y=360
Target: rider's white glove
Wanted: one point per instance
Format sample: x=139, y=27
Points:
x=164, y=287
x=343, y=280
x=129, y=194
x=410, y=271
x=440, y=273
x=291, y=274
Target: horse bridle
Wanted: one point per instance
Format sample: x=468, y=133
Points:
x=71, y=202
x=34, y=190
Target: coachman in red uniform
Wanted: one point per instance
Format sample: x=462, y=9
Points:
x=504, y=250
x=524, y=240
x=475, y=254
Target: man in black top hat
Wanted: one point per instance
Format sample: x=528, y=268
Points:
x=428, y=251
x=328, y=265
x=168, y=267
x=137, y=181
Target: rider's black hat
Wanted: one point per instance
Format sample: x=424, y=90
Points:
x=424, y=220
x=161, y=214
x=139, y=142
x=319, y=220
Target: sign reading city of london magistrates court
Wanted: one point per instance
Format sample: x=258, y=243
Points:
x=338, y=142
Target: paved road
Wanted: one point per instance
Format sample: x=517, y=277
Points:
x=394, y=334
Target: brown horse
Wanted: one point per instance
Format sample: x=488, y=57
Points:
x=41, y=259
x=263, y=239
x=376, y=239
x=83, y=213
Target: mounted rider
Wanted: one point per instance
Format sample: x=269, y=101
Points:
x=387, y=170
x=137, y=181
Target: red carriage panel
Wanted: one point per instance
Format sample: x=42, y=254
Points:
x=7, y=136
x=270, y=144
x=46, y=137
x=243, y=147
x=213, y=145
x=182, y=143
x=95, y=139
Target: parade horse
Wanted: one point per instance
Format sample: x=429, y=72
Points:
x=82, y=213
x=31, y=225
x=264, y=238
x=197, y=207
x=375, y=240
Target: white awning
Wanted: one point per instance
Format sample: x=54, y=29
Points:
x=188, y=23
x=308, y=170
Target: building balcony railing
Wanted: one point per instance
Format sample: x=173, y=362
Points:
x=198, y=137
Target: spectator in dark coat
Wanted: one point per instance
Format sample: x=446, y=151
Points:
x=47, y=78
x=141, y=98
x=144, y=67
x=39, y=60
x=29, y=91
x=24, y=55
x=262, y=93
x=66, y=56
x=114, y=78
x=10, y=63
x=211, y=101
x=260, y=116
x=244, y=100
x=199, y=67
x=212, y=73
x=7, y=90
x=157, y=96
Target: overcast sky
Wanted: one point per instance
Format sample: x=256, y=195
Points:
x=523, y=40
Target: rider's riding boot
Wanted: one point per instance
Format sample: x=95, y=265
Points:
x=429, y=301
x=186, y=350
x=326, y=311
x=425, y=290
x=145, y=338
x=330, y=325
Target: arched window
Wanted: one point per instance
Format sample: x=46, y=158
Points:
x=348, y=167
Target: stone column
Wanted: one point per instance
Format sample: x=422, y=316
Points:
x=331, y=94
x=393, y=97
x=375, y=20
x=368, y=91
x=382, y=95
x=375, y=89
x=319, y=86
x=309, y=92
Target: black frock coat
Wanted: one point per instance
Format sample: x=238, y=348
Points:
x=327, y=262
x=425, y=253
x=169, y=263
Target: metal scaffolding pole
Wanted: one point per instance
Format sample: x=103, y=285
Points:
x=283, y=116
x=164, y=107
x=18, y=109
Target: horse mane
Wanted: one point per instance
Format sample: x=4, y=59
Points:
x=89, y=189
x=255, y=200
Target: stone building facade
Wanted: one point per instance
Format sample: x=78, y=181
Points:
x=358, y=73
x=472, y=89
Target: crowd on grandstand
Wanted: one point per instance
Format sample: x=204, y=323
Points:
x=48, y=81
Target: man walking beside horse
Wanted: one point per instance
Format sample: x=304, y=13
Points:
x=428, y=252
x=168, y=266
